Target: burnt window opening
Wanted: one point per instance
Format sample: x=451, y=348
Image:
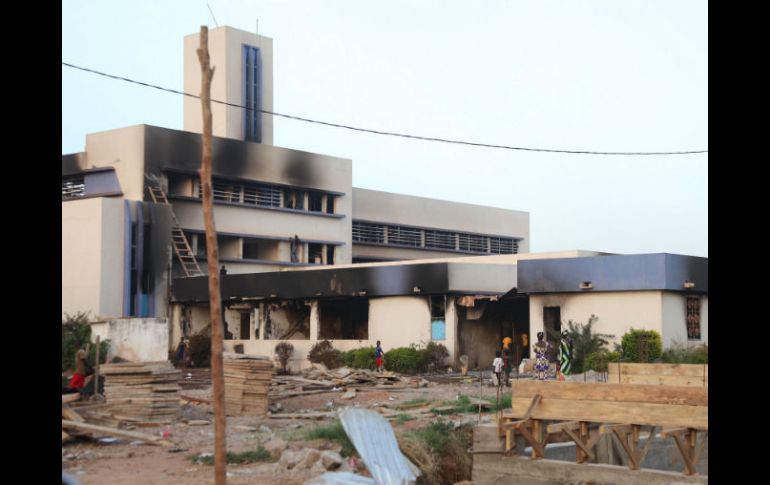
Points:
x=262, y=249
x=693, y=318
x=288, y=320
x=315, y=253
x=245, y=325
x=346, y=319
x=73, y=187
x=330, y=254
x=180, y=184
x=552, y=329
x=294, y=199
x=315, y=202
x=329, y=204
x=200, y=250
x=437, y=317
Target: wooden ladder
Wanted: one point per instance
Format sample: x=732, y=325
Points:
x=181, y=247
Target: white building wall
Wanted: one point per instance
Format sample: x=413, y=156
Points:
x=617, y=311
x=675, y=320
x=226, y=56
x=92, y=257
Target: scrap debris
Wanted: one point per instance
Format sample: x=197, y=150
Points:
x=318, y=379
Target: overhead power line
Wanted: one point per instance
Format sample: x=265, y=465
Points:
x=380, y=132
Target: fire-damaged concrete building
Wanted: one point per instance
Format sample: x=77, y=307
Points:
x=310, y=257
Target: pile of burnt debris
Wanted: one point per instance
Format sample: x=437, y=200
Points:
x=318, y=379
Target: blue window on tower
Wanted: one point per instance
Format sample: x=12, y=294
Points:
x=252, y=93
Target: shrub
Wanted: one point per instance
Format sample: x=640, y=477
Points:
x=405, y=360
x=598, y=361
x=325, y=354
x=641, y=346
x=200, y=348
x=284, y=350
x=360, y=358
x=584, y=342
x=258, y=455
x=434, y=356
x=75, y=335
x=683, y=354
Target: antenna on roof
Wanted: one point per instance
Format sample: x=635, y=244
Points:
x=212, y=15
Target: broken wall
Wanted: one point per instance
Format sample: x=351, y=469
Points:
x=287, y=320
x=135, y=339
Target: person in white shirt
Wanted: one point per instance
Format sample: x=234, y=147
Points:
x=497, y=364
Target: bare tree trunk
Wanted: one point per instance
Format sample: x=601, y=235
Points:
x=212, y=253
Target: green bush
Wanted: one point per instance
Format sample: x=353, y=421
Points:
x=324, y=353
x=435, y=356
x=333, y=432
x=405, y=360
x=641, y=346
x=200, y=348
x=360, y=358
x=598, y=361
x=75, y=335
x=440, y=451
x=683, y=354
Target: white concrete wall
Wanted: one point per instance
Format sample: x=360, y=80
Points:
x=92, y=256
x=675, y=319
x=138, y=339
x=618, y=311
x=122, y=149
x=226, y=56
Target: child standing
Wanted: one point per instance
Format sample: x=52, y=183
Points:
x=497, y=364
x=378, y=357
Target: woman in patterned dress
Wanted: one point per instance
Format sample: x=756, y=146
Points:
x=541, y=361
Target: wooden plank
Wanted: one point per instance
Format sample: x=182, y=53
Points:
x=691, y=370
x=532, y=405
x=615, y=412
x=556, y=427
x=155, y=440
x=68, y=413
x=682, y=381
x=68, y=398
x=692, y=396
x=589, y=454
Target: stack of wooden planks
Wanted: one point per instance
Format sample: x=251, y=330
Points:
x=247, y=380
x=145, y=391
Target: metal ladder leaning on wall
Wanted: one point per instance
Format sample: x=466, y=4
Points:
x=181, y=247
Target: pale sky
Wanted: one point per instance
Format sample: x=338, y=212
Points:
x=601, y=75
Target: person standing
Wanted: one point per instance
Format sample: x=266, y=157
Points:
x=507, y=360
x=541, y=361
x=379, y=357
x=565, y=354
x=497, y=367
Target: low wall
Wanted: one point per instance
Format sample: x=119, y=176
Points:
x=135, y=339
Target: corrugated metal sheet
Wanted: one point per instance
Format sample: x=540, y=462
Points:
x=340, y=478
x=375, y=441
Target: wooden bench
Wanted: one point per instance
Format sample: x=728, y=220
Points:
x=621, y=409
x=696, y=375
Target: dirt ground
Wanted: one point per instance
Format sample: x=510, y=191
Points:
x=123, y=462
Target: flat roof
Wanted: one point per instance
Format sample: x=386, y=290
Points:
x=660, y=271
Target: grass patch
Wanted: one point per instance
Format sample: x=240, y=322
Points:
x=254, y=456
x=412, y=403
x=402, y=418
x=332, y=432
x=440, y=451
